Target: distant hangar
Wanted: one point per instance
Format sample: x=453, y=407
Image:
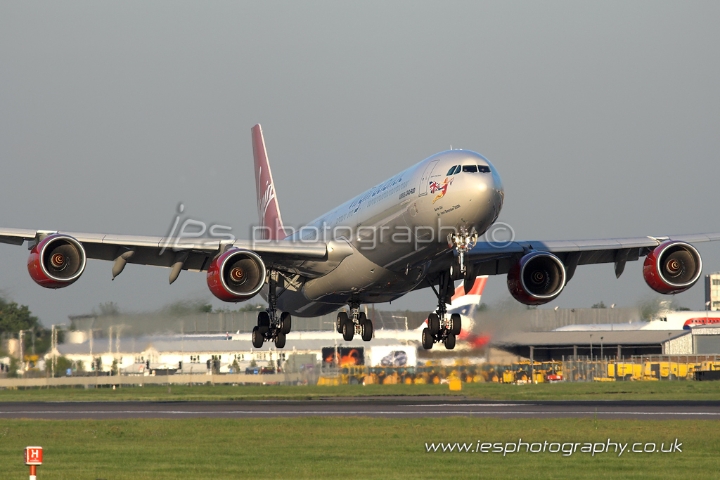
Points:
x=556, y=345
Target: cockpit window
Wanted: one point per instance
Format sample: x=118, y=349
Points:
x=457, y=169
x=451, y=171
x=469, y=168
x=483, y=169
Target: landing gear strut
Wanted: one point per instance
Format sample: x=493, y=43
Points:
x=271, y=327
x=462, y=242
x=441, y=328
x=354, y=323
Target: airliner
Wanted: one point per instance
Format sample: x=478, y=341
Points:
x=421, y=228
x=680, y=320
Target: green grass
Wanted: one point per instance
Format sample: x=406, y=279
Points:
x=685, y=390
x=347, y=448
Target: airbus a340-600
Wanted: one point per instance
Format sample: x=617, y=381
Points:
x=420, y=228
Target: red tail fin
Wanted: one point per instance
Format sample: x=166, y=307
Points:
x=477, y=288
x=268, y=210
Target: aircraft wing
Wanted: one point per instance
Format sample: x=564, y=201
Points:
x=495, y=258
x=307, y=259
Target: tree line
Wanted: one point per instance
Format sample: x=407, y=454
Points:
x=14, y=318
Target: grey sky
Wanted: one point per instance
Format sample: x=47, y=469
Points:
x=602, y=119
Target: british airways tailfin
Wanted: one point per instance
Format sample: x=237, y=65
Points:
x=271, y=225
x=466, y=303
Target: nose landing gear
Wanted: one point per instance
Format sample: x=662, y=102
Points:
x=271, y=327
x=354, y=323
x=462, y=242
x=440, y=328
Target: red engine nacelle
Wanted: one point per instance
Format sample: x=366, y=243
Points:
x=672, y=267
x=236, y=275
x=57, y=261
x=537, y=278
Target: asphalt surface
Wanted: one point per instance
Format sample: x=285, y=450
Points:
x=405, y=408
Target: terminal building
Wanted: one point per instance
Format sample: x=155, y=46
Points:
x=220, y=342
x=676, y=333
x=546, y=346
x=712, y=291
x=203, y=354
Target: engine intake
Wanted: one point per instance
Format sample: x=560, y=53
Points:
x=537, y=278
x=672, y=267
x=236, y=275
x=57, y=261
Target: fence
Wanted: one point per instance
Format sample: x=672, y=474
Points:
x=645, y=367
x=140, y=380
x=212, y=323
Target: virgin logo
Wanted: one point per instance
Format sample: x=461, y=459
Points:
x=266, y=198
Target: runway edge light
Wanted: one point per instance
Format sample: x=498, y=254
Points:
x=33, y=458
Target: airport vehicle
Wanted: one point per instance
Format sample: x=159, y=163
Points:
x=708, y=370
x=650, y=370
x=396, y=358
x=420, y=228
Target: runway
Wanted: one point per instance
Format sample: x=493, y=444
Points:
x=400, y=408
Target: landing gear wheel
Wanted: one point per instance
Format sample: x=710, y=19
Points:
x=264, y=319
x=257, y=338
x=427, y=339
x=439, y=329
x=280, y=340
x=450, y=341
x=348, y=330
x=455, y=323
x=285, y=323
x=433, y=324
x=342, y=317
x=367, y=330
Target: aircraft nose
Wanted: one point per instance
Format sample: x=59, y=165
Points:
x=490, y=187
x=484, y=184
x=490, y=181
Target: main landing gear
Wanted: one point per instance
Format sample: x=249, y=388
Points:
x=271, y=327
x=441, y=328
x=355, y=323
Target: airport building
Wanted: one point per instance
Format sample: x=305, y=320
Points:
x=611, y=344
x=141, y=324
x=706, y=339
x=198, y=354
x=546, y=346
x=104, y=344
x=712, y=291
x=220, y=342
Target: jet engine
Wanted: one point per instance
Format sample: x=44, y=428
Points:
x=537, y=278
x=672, y=267
x=57, y=261
x=236, y=275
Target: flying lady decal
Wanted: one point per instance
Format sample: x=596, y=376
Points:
x=440, y=187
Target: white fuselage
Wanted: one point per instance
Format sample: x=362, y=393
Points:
x=680, y=320
x=398, y=231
